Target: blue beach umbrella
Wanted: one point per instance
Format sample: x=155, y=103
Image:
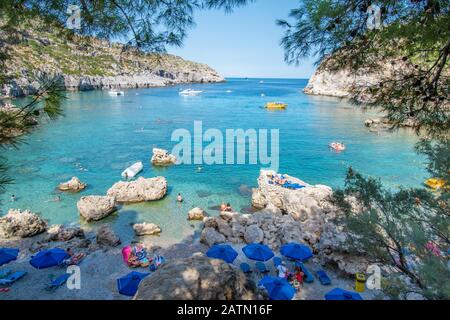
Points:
x=277, y=288
x=341, y=294
x=296, y=251
x=259, y=252
x=129, y=284
x=8, y=255
x=49, y=258
x=222, y=251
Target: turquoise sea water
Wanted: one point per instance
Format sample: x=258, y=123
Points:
x=101, y=135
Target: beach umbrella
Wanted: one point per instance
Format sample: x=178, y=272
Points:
x=259, y=252
x=296, y=251
x=8, y=255
x=129, y=284
x=49, y=258
x=341, y=294
x=277, y=288
x=222, y=251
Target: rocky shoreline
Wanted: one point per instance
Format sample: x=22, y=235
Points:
x=87, y=63
x=27, y=86
x=285, y=215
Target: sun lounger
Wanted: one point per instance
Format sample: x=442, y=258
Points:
x=294, y=186
x=261, y=267
x=58, y=282
x=4, y=273
x=308, y=275
x=276, y=261
x=323, y=277
x=245, y=268
x=9, y=280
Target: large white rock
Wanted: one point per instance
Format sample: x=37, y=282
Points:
x=162, y=157
x=253, y=234
x=308, y=205
x=149, y=229
x=210, y=237
x=73, y=185
x=94, y=208
x=17, y=223
x=139, y=190
x=196, y=214
x=197, y=278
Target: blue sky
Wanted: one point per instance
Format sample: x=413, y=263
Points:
x=244, y=43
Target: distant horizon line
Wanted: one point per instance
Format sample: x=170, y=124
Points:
x=284, y=78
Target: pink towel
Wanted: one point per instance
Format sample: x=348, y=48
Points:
x=126, y=251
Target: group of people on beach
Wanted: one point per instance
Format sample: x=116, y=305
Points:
x=226, y=207
x=278, y=179
x=295, y=278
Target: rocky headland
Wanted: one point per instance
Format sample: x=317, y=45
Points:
x=86, y=63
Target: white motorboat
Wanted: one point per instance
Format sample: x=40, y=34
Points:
x=116, y=93
x=133, y=170
x=190, y=92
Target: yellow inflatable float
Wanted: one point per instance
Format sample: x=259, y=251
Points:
x=435, y=183
x=276, y=106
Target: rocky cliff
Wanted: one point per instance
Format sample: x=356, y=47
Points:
x=327, y=81
x=86, y=63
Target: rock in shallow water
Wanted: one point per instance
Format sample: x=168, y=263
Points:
x=146, y=229
x=139, y=190
x=73, y=185
x=196, y=214
x=196, y=278
x=162, y=157
x=17, y=223
x=94, y=208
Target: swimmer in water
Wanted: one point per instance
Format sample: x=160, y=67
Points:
x=179, y=198
x=13, y=198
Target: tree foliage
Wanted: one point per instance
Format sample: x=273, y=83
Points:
x=414, y=34
x=393, y=226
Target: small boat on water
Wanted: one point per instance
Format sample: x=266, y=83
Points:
x=133, y=170
x=436, y=183
x=116, y=93
x=276, y=106
x=337, y=146
x=190, y=92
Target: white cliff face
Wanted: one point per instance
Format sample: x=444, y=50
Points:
x=341, y=83
x=25, y=86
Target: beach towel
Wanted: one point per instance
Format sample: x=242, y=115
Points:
x=126, y=255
